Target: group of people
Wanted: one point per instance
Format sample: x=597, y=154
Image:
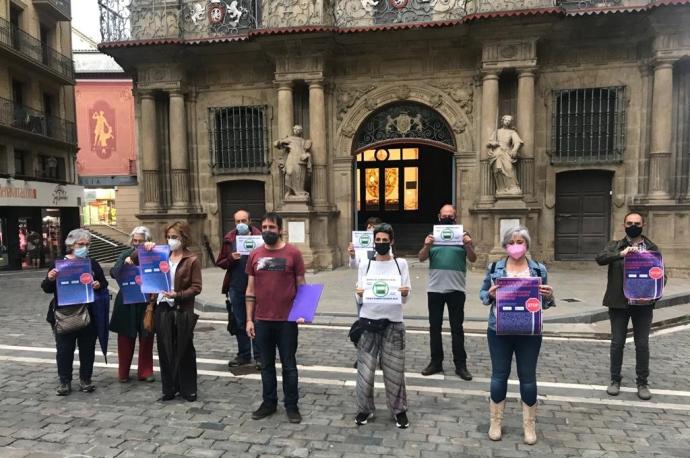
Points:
x=262, y=285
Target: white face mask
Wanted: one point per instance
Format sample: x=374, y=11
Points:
x=174, y=244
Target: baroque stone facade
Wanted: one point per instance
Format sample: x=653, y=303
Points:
x=605, y=111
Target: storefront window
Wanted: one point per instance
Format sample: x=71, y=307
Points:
x=99, y=206
x=4, y=249
x=52, y=247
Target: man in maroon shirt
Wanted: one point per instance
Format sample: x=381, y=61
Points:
x=275, y=271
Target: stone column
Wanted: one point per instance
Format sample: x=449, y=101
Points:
x=662, y=118
x=488, y=125
x=285, y=109
x=179, y=159
x=317, y=132
x=525, y=128
x=150, y=162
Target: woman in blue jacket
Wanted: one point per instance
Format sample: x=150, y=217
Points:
x=516, y=242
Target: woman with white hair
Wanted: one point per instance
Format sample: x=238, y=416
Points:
x=516, y=242
x=77, y=244
x=128, y=320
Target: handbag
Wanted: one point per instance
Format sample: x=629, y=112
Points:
x=355, y=332
x=71, y=319
x=374, y=325
x=148, y=314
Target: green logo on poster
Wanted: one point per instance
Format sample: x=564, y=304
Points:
x=380, y=289
x=249, y=244
x=447, y=234
x=364, y=240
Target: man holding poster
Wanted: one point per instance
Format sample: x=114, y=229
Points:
x=448, y=251
x=623, y=309
x=274, y=270
x=235, y=285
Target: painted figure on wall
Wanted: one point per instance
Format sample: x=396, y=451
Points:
x=296, y=163
x=504, y=146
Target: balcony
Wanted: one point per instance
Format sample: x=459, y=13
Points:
x=19, y=43
x=36, y=122
x=140, y=21
x=60, y=10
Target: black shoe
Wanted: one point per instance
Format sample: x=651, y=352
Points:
x=401, y=420
x=463, y=373
x=64, y=389
x=167, y=397
x=362, y=418
x=190, y=397
x=432, y=368
x=237, y=362
x=293, y=415
x=614, y=388
x=85, y=386
x=258, y=365
x=263, y=411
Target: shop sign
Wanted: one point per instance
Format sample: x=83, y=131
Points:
x=17, y=193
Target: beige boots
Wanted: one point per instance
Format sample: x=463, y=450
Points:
x=529, y=419
x=496, y=419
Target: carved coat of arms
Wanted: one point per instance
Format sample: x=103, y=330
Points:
x=403, y=123
x=398, y=4
x=216, y=12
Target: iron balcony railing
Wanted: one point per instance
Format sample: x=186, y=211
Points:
x=135, y=20
x=15, y=38
x=37, y=122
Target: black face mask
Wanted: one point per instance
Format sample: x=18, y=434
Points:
x=633, y=231
x=382, y=248
x=446, y=220
x=270, y=238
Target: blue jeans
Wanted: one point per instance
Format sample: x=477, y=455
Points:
x=239, y=312
x=283, y=335
x=526, y=349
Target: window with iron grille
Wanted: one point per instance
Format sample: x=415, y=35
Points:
x=238, y=139
x=588, y=125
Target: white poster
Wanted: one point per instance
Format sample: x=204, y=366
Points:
x=247, y=243
x=362, y=239
x=382, y=290
x=296, y=232
x=448, y=234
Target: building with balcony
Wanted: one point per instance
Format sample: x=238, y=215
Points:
x=106, y=162
x=39, y=199
x=402, y=101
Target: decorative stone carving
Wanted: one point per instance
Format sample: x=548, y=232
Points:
x=291, y=13
x=403, y=92
x=297, y=162
x=346, y=98
x=504, y=146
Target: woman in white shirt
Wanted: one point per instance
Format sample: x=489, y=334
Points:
x=381, y=317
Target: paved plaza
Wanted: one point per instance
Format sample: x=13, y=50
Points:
x=449, y=417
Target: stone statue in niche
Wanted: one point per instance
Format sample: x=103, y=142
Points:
x=296, y=162
x=504, y=146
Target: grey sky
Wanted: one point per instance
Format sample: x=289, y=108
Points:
x=86, y=19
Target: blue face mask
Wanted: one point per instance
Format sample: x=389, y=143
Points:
x=81, y=252
x=242, y=229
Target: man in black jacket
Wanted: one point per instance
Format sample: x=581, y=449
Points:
x=621, y=311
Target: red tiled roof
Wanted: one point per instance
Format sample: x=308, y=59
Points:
x=384, y=27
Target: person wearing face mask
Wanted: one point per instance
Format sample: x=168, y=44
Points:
x=516, y=242
x=355, y=260
x=275, y=270
x=383, y=336
x=174, y=315
x=621, y=310
x=127, y=320
x=447, y=274
x=234, y=287
x=77, y=244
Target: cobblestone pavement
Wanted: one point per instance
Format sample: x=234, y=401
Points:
x=449, y=417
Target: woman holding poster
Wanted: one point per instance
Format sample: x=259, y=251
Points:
x=128, y=317
x=174, y=317
x=383, y=286
x=525, y=346
x=77, y=244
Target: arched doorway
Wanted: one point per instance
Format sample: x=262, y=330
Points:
x=404, y=170
x=583, y=213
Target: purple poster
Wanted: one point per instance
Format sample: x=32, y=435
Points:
x=154, y=268
x=643, y=275
x=74, y=282
x=130, y=281
x=518, y=306
x=305, y=303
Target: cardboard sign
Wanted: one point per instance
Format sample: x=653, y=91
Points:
x=154, y=268
x=74, y=282
x=247, y=243
x=643, y=276
x=518, y=306
x=448, y=234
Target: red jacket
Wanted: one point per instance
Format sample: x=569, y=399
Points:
x=225, y=260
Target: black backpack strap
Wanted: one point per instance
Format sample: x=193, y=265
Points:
x=492, y=269
x=368, y=265
x=398, y=266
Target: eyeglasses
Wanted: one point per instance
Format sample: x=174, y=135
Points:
x=631, y=224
